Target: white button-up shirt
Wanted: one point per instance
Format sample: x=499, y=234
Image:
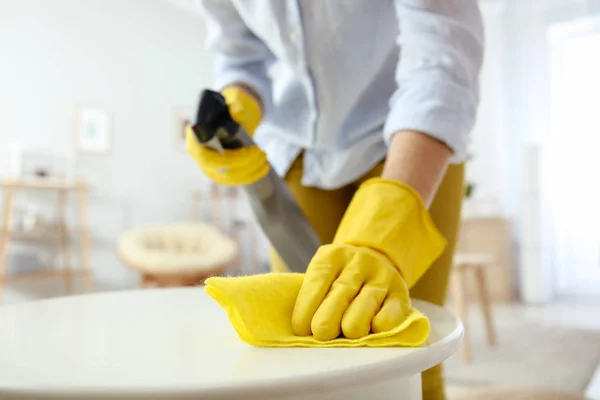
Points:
x=338, y=78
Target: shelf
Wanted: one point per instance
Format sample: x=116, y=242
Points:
x=43, y=233
x=47, y=232
x=46, y=273
x=44, y=184
x=40, y=235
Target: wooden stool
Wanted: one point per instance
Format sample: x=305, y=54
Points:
x=178, y=254
x=477, y=263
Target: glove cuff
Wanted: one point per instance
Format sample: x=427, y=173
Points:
x=243, y=108
x=390, y=217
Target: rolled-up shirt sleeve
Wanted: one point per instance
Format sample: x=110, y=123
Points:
x=240, y=56
x=441, y=51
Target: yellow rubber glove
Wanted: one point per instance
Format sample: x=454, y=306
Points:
x=232, y=167
x=360, y=283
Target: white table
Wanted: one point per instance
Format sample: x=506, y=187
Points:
x=178, y=344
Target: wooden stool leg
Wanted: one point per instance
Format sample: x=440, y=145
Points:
x=459, y=296
x=485, y=305
x=64, y=239
x=85, y=240
x=6, y=224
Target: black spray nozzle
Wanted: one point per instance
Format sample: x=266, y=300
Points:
x=213, y=119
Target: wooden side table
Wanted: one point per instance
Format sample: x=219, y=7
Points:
x=62, y=188
x=491, y=235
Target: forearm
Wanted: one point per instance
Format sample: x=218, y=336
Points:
x=437, y=91
x=419, y=161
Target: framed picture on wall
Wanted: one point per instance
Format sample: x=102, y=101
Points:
x=92, y=130
x=182, y=117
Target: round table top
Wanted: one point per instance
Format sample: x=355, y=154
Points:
x=177, y=343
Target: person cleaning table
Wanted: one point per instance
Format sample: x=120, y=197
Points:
x=365, y=108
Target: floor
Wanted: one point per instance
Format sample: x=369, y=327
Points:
x=582, y=313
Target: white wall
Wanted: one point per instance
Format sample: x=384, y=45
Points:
x=514, y=95
x=490, y=144
x=137, y=58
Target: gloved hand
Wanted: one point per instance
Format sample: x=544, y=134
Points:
x=359, y=283
x=232, y=167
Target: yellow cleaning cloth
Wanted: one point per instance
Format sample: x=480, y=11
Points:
x=260, y=309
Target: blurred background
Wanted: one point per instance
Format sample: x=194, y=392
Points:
x=99, y=193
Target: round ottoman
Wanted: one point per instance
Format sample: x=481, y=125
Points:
x=177, y=254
